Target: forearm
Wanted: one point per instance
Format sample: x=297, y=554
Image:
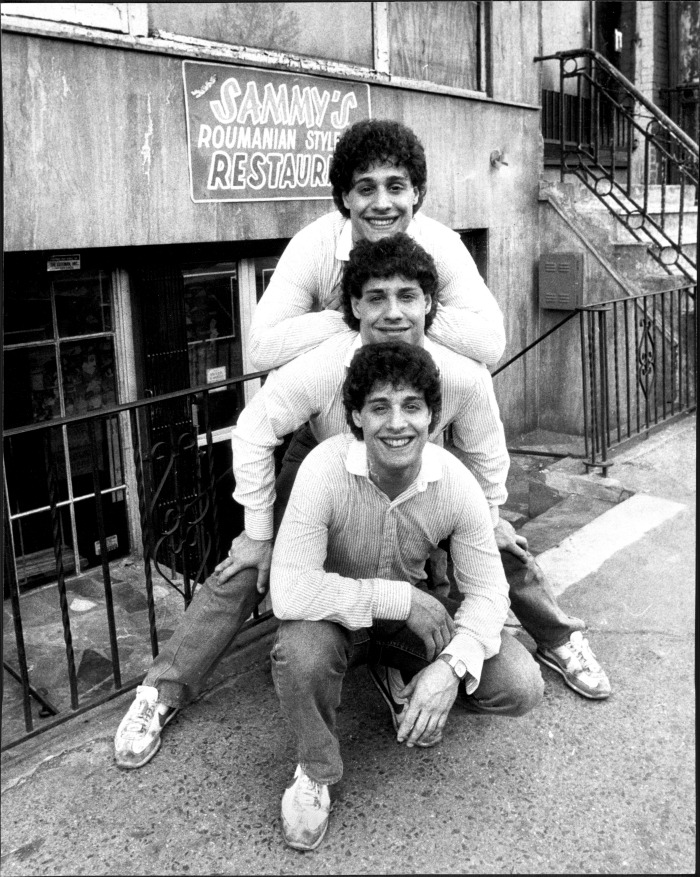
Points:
x=315, y=595
x=274, y=343
x=479, y=335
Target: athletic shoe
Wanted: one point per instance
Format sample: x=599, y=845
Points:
x=306, y=806
x=578, y=665
x=138, y=736
x=389, y=680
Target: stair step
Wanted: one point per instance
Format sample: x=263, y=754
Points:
x=561, y=520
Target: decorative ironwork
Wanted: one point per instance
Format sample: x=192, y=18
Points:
x=619, y=144
x=646, y=355
x=176, y=485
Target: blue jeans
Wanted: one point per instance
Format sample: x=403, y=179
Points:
x=217, y=612
x=310, y=659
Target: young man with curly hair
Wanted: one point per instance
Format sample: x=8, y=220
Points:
x=378, y=174
x=348, y=582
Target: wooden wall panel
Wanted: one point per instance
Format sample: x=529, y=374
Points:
x=514, y=43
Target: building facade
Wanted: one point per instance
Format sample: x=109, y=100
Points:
x=158, y=157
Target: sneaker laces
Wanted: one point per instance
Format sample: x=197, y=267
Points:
x=582, y=651
x=309, y=792
x=140, y=715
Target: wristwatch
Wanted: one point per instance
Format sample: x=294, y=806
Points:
x=459, y=668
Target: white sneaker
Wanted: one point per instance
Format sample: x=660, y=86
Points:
x=306, y=806
x=138, y=736
x=578, y=665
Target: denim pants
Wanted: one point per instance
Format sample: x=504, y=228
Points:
x=217, y=612
x=310, y=659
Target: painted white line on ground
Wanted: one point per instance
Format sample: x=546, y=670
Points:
x=585, y=551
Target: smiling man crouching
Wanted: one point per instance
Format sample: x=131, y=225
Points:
x=348, y=580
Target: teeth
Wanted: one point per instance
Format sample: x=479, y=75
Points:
x=381, y=221
x=396, y=443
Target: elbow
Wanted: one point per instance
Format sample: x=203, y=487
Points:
x=494, y=349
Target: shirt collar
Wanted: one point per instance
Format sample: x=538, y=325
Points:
x=430, y=470
x=345, y=242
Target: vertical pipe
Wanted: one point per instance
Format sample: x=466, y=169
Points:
x=218, y=553
x=562, y=119
x=582, y=317
x=687, y=349
x=58, y=553
x=681, y=353
x=146, y=528
x=11, y=579
x=617, y=372
x=106, y=577
x=627, y=368
x=636, y=354
x=674, y=351
x=663, y=355
x=604, y=394
x=595, y=412
x=647, y=418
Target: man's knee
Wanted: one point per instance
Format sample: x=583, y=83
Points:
x=311, y=650
x=527, y=689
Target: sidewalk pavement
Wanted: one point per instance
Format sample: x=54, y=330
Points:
x=574, y=787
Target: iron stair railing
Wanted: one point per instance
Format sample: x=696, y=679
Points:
x=620, y=145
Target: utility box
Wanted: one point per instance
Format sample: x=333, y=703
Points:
x=561, y=281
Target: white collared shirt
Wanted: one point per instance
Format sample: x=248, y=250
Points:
x=347, y=553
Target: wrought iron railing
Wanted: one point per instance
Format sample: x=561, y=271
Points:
x=639, y=370
x=639, y=367
x=639, y=163
x=182, y=537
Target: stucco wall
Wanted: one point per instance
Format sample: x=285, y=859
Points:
x=95, y=154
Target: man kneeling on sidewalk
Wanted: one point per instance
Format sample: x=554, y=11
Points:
x=348, y=582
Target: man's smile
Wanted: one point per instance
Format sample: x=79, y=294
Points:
x=396, y=442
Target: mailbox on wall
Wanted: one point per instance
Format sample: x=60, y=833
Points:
x=561, y=281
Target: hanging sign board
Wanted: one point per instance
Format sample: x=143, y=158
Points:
x=261, y=135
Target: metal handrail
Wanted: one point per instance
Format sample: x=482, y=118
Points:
x=658, y=114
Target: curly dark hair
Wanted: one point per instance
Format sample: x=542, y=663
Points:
x=376, y=141
x=397, y=254
x=395, y=363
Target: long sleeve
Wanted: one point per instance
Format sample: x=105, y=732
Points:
x=300, y=586
x=477, y=436
x=289, y=319
x=289, y=398
x=480, y=578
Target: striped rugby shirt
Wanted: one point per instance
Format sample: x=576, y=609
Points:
x=291, y=317
x=347, y=553
x=310, y=388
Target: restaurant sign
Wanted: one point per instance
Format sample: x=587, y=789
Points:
x=261, y=135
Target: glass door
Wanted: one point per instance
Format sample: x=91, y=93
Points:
x=59, y=360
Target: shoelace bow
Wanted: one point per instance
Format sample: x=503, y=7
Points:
x=310, y=792
x=585, y=655
x=142, y=717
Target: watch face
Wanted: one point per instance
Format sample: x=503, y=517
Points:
x=461, y=669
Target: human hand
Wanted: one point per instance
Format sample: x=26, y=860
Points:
x=430, y=621
x=430, y=694
x=508, y=540
x=247, y=553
